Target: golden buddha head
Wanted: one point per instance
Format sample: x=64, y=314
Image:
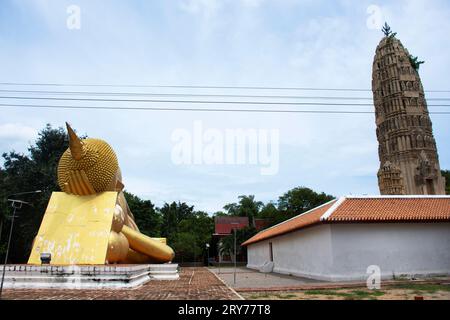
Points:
x=88, y=166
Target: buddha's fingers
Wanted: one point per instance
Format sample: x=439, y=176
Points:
x=134, y=257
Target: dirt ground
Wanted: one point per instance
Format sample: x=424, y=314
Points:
x=398, y=292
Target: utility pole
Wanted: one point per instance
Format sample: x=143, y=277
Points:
x=236, y=224
x=1, y=227
x=16, y=204
x=219, y=249
x=235, y=256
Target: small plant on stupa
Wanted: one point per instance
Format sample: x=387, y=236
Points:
x=415, y=62
x=388, y=32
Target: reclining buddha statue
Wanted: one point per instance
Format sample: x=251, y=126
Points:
x=90, y=222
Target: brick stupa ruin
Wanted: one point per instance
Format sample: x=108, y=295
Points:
x=409, y=163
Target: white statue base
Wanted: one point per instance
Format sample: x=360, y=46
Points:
x=85, y=276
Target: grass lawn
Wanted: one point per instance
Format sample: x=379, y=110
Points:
x=403, y=291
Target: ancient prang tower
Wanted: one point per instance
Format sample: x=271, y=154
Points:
x=409, y=161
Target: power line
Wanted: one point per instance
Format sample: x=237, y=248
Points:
x=96, y=93
x=195, y=109
x=144, y=94
x=176, y=86
x=202, y=101
x=193, y=87
x=184, y=101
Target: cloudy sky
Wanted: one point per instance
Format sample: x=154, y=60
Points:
x=283, y=43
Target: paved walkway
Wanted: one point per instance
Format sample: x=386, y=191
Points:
x=194, y=284
x=248, y=278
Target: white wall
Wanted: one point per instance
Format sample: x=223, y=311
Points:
x=398, y=249
x=305, y=252
x=257, y=254
x=344, y=251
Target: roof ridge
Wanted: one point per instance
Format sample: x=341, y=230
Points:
x=330, y=210
x=409, y=196
x=294, y=217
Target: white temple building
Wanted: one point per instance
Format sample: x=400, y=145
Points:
x=339, y=241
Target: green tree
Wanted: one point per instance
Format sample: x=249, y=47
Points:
x=271, y=214
x=180, y=219
x=446, y=175
x=226, y=244
x=246, y=207
x=299, y=200
x=172, y=214
x=146, y=217
x=201, y=226
x=220, y=214
x=185, y=246
x=34, y=171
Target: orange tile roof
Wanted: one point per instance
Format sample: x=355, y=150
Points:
x=365, y=209
x=392, y=209
x=301, y=221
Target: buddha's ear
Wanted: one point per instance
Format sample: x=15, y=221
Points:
x=119, y=186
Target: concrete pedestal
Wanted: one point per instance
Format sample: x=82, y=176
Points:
x=86, y=277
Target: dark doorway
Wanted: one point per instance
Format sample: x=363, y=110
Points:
x=270, y=251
